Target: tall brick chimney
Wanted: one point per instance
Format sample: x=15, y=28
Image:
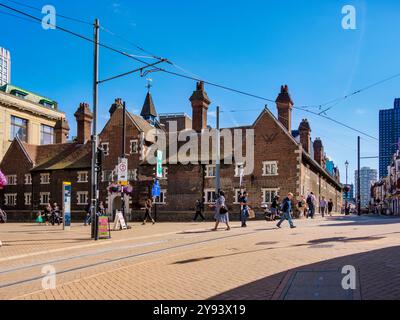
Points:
x=305, y=135
x=61, y=131
x=84, y=119
x=319, y=154
x=285, y=104
x=200, y=103
x=117, y=104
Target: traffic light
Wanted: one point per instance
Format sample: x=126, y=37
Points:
x=100, y=158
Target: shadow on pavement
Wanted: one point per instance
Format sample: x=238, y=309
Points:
x=378, y=278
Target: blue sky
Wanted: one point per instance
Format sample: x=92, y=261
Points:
x=255, y=46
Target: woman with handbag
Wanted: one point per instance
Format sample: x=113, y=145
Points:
x=221, y=212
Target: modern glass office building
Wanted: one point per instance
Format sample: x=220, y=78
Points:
x=389, y=136
x=5, y=66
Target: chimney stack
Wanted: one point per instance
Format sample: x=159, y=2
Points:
x=61, y=131
x=200, y=103
x=285, y=104
x=319, y=154
x=117, y=104
x=305, y=135
x=84, y=119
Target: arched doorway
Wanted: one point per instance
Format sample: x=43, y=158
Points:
x=115, y=204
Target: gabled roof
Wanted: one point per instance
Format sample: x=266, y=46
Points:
x=58, y=156
x=148, y=107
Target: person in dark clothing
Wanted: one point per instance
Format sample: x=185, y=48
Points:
x=274, y=208
x=55, y=215
x=330, y=207
x=148, y=208
x=199, y=207
x=88, y=218
x=244, y=215
x=286, y=211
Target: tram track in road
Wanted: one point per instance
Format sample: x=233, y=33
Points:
x=122, y=258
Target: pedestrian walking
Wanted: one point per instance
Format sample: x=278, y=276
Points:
x=274, y=208
x=148, y=208
x=244, y=214
x=55, y=214
x=330, y=207
x=221, y=212
x=88, y=218
x=286, y=211
x=199, y=208
x=39, y=218
x=47, y=214
x=322, y=206
x=311, y=201
x=302, y=207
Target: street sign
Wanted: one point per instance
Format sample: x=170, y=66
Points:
x=122, y=171
x=156, y=190
x=119, y=222
x=104, y=227
x=159, y=169
x=67, y=189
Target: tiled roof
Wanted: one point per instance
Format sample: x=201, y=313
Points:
x=59, y=156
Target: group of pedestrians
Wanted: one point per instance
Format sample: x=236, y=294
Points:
x=101, y=210
x=50, y=215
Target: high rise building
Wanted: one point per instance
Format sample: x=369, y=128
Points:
x=368, y=177
x=5, y=66
x=389, y=136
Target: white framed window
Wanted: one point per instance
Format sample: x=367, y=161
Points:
x=211, y=171
x=83, y=176
x=45, y=178
x=44, y=198
x=82, y=198
x=164, y=173
x=105, y=146
x=10, y=199
x=134, y=146
x=210, y=196
x=162, y=199
x=133, y=175
x=28, y=179
x=268, y=195
x=28, y=199
x=12, y=180
x=237, y=195
x=270, y=168
x=107, y=176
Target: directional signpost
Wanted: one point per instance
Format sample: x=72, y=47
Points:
x=67, y=189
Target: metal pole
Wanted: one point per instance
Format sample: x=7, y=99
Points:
x=123, y=154
x=94, y=192
x=359, y=176
x=218, y=160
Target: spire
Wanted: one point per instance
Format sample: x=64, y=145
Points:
x=149, y=112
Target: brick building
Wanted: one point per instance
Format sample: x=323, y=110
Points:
x=283, y=162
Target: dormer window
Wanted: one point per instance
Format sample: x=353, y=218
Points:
x=18, y=93
x=47, y=103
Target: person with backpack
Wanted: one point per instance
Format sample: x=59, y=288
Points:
x=286, y=211
x=311, y=205
x=221, y=212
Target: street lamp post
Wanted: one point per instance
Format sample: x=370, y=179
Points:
x=347, y=183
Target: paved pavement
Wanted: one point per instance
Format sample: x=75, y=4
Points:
x=188, y=261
